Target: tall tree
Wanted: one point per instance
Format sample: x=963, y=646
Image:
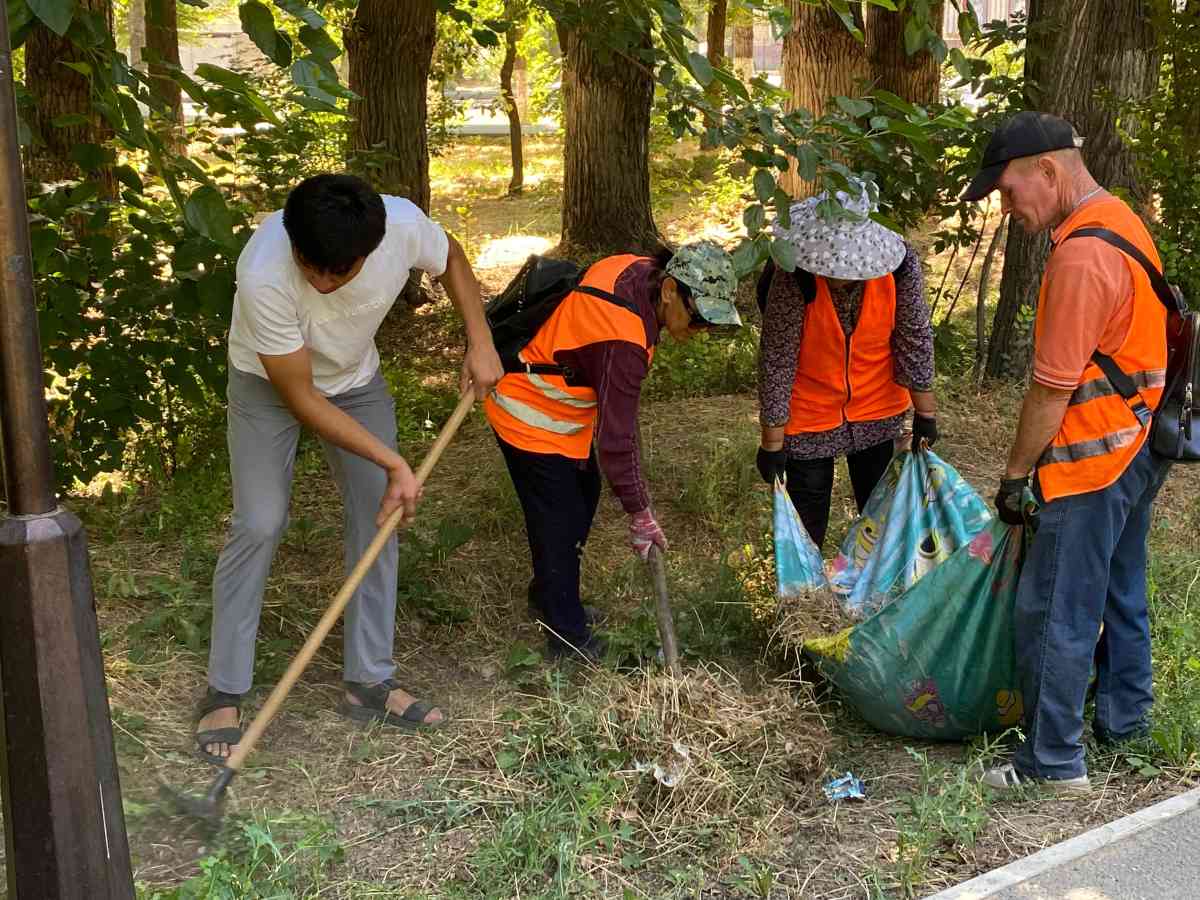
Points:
x=162, y=49
x=821, y=59
x=60, y=91
x=743, y=47
x=915, y=78
x=513, y=12
x=607, y=98
x=390, y=46
x=135, y=22
x=1081, y=56
x=715, y=35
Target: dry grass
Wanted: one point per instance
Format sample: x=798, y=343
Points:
x=533, y=788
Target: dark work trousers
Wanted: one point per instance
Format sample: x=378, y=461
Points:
x=810, y=484
x=559, y=496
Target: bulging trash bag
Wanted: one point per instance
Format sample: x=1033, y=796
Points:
x=919, y=514
x=937, y=661
x=799, y=569
x=807, y=607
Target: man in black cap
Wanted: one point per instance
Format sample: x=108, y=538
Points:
x=1096, y=479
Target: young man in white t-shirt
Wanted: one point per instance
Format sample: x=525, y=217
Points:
x=314, y=284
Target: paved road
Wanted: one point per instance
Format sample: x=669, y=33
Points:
x=1160, y=863
x=1151, y=855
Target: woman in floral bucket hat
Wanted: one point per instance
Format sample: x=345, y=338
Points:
x=846, y=351
x=572, y=414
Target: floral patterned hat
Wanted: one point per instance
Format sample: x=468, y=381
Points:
x=849, y=246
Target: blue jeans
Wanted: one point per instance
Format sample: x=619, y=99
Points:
x=1086, y=568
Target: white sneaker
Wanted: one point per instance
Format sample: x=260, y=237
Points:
x=1006, y=777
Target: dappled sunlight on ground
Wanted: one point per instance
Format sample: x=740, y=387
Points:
x=511, y=250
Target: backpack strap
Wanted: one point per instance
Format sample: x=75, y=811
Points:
x=1116, y=376
x=567, y=372
x=1162, y=289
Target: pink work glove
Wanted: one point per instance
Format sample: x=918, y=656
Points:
x=644, y=532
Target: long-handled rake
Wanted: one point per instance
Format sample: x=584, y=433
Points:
x=210, y=806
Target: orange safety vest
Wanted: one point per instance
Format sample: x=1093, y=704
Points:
x=1100, y=433
x=542, y=413
x=846, y=381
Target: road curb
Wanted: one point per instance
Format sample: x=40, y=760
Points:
x=991, y=883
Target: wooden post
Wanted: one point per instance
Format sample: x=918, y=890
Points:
x=63, y=821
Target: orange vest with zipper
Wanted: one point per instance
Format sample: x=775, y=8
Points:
x=1100, y=433
x=840, y=380
x=542, y=413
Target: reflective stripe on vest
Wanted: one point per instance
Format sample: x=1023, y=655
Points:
x=838, y=381
x=542, y=413
x=1101, y=432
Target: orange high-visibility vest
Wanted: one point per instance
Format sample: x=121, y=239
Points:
x=846, y=381
x=1100, y=433
x=542, y=413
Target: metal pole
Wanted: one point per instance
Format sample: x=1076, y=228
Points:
x=29, y=480
x=63, y=821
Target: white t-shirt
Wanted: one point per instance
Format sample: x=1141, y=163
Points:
x=276, y=311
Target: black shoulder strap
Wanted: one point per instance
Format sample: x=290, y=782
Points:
x=1165, y=295
x=610, y=297
x=1116, y=376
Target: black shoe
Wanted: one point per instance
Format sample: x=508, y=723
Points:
x=591, y=650
x=591, y=615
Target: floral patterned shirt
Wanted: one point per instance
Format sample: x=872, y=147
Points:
x=782, y=328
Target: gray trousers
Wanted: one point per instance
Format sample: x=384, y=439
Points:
x=263, y=436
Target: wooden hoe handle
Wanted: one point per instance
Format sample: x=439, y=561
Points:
x=321, y=631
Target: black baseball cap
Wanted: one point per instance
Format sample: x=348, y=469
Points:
x=1025, y=134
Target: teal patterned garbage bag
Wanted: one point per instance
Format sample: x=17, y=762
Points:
x=919, y=514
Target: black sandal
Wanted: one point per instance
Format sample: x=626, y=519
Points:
x=214, y=700
x=372, y=706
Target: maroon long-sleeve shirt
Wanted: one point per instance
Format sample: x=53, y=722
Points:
x=616, y=370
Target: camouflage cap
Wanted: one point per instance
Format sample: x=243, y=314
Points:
x=707, y=270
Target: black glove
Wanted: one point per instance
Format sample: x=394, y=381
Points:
x=924, y=429
x=1008, y=500
x=771, y=464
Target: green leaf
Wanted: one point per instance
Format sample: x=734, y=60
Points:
x=129, y=177
x=784, y=254
x=522, y=656
x=224, y=77
x=897, y=103
x=485, y=37
x=55, y=14
x=764, y=185
x=754, y=217
x=968, y=26
x=259, y=24
x=207, y=213
x=852, y=107
x=134, y=124
x=806, y=159
x=960, y=62
x=701, y=68
x=309, y=17
x=320, y=44
x=89, y=157
x=69, y=120
x=746, y=257
x=507, y=760
x=42, y=242
x=19, y=16
x=81, y=67
x=914, y=36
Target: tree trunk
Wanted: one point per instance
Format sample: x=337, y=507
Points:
x=606, y=153
x=60, y=91
x=743, y=51
x=715, y=33
x=985, y=277
x=162, y=42
x=517, y=184
x=915, y=78
x=135, y=22
x=390, y=46
x=1086, y=52
x=821, y=59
